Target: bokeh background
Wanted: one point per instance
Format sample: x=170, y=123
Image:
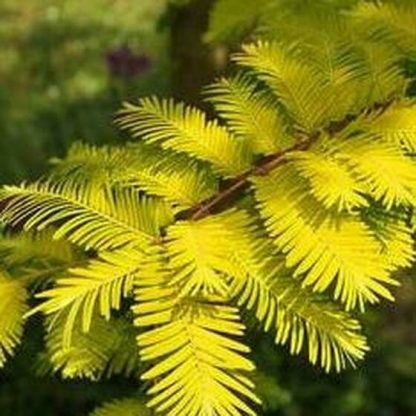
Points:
x=65, y=68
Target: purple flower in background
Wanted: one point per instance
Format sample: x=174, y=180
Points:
x=124, y=63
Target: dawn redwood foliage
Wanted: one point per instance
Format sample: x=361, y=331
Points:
x=294, y=205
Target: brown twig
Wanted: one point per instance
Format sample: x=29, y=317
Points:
x=239, y=183
x=268, y=163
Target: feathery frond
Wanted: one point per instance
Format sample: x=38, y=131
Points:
x=250, y=112
x=185, y=129
x=100, y=285
x=301, y=91
x=393, y=230
x=194, y=249
x=12, y=309
x=178, y=178
x=388, y=175
x=18, y=250
x=299, y=318
x=390, y=22
x=326, y=250
x=201, y=367
x=108, y=348
x=262, y=284
x=398, y=126
x=92, y=219
x=330, y=182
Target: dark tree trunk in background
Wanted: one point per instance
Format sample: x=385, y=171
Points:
x=192, y=59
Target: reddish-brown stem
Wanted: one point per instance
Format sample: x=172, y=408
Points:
x=219, y=197
x=263, y=167
x=268, y=163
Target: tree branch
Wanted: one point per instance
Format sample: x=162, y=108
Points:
x=238, y=185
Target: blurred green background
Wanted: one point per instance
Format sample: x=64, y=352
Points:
x=56, y=79
x=65, y=68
